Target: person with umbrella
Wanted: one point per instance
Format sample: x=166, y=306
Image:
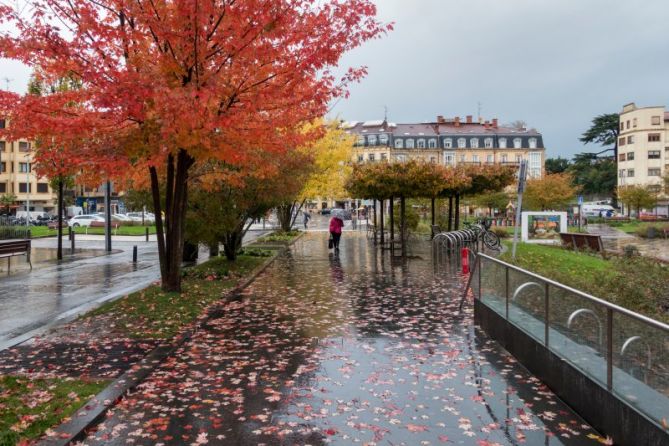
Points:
x=336, y=226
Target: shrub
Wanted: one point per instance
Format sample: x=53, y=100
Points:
x=500, y=231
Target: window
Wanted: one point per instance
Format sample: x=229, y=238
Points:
x=519, y=158
x=384, y=157
x=654, y=188
x=449, y=158
x=2, y=146
x=655, y=120
x=399, y=143
x=654, y=154
x=634, y=122
x=502, y=143
x=474, y=143
x=432, y=143
x=654, y=172
x=383, y=139
x=630, y=156
x=421, y=143
x=630, y=139
x=3, y=123
x=372, y=157
x=505, y=158
x=361, y=158
x=630, y=173
x=3, y=167
x=433, y=160
x=487, y=143
x=653, y=137
x=448, y=143
x=621, y=173
x=401, y=158
x=22, y=188
x=621, y=141
x=462, y=143
x=533, y=143
x=475, y=158
x=628, y=124
x=621, y=157
x=24, y=146
x=3, y=188
x=371, y=139
x=535, y=164
x=409, y=143
x=24, y=167
x=361, y=140
x=517, y=143
x=42, y=188
x=622, y=126
x=490, y=159
x=463, y=158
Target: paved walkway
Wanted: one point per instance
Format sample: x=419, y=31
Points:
x=615, y=240
x=342, y=350
x=52, y=292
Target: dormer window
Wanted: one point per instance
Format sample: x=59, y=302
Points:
x=410, y=143
x=432, y=143
x=383, y=138
x=517, y=143
x=399, y=143
x=462, y=143
x=533, y=143
x=448, y=143
x=421, y=143
x=371, y=139
x=488, y=143
x=361, y=140
x=474, y=143
x=502, y=143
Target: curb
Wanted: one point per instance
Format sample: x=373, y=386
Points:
x=95, y=409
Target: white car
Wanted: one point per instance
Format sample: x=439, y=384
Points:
x=137, y=216
x=83, y=220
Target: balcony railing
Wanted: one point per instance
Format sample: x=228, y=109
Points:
x=622, y=350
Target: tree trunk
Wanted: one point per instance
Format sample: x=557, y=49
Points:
x=433, y=215
x=214, y=249
x=383, y=238
x=190, y=252
x=284, y=213
x=375, y=222
x=170, y=231
x=61, y=187
x=457, y=212
x=450, y=213
x=392, y=222
x=231, y=244
x=403, y=226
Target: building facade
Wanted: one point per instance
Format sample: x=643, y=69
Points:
x=451, y=142
x=643, y=147
x=18, y=179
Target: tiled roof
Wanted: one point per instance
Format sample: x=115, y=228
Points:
x=436, y=129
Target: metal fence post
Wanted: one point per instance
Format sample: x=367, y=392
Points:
x=506, y=291
x=147, y=234
x=546, y=319
x=134, y=254
x=609, y=349
x=480, y=272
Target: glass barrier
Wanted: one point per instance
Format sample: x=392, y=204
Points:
x=492, y=291
x=527, y=304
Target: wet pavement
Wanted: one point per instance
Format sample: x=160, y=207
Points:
x=615, y=240
x=343, y=350
x=54, y=292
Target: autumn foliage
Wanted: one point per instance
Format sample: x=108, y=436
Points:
x=172, y=84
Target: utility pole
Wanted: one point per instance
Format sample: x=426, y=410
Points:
x=7, y=82
x=522, y=176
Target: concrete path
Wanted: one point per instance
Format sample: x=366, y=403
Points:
x=53, y=293
x=615, y=240
x=343, y=350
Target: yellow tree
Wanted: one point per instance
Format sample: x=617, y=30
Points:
x=637, y=197
x=549, y=192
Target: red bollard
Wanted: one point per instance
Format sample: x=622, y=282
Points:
x=465, y=260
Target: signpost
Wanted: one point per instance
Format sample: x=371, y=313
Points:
x=580, y=211
x=522, y=177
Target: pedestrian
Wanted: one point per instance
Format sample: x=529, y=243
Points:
x=306, y=217
x=336, y=225
x=354, y=220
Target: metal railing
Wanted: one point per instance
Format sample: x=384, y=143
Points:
x=13, y=228
x=626, y=352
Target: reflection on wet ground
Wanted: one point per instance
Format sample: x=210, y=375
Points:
x=343, y=350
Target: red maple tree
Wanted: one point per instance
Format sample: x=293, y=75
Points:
x=175, y=82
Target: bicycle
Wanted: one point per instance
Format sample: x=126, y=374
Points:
x=482, y=230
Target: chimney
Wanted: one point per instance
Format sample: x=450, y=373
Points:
x=494, y=123
x=480, y=120
x=440, y=120
x=469, y=119
x=457, y=121
x=486, y=124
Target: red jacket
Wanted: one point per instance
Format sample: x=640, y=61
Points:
x=336, y=224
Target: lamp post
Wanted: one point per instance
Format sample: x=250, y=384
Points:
x=27, y=191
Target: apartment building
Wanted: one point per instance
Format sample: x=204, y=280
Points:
x=643, y=146
x=18, y=179
x=451, y=142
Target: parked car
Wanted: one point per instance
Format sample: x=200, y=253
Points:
x=326, y=211
x=84, y=220
x=137, y=216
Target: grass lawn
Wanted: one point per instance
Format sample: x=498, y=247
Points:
x=43, y=231
x=638, y=283
x=153, y=313
x=28, y=407
x=638, y=227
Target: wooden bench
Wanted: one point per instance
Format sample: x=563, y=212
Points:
x=11, y=248
x=578, y=241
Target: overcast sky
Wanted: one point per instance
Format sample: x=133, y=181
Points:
x=552, y=63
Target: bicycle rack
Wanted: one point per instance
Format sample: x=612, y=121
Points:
x=523, y=286
x=632, y=339
x=580, y=311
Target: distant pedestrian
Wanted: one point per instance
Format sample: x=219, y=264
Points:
x=354, y=220
x=306, y=217
x=336, y=225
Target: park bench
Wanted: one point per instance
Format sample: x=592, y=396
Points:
x=11, y=248
x=101, y=224
x=578, y=241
